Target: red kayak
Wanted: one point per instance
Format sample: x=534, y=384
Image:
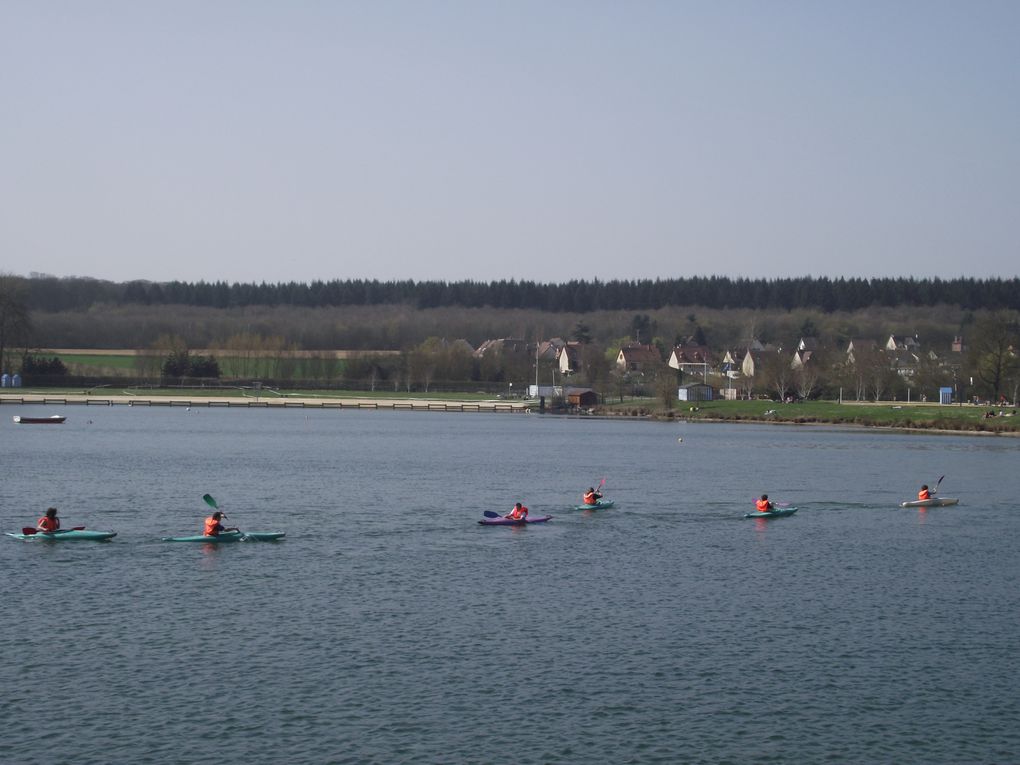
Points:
x=508, y=522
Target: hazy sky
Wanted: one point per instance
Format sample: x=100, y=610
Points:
x=548, y=140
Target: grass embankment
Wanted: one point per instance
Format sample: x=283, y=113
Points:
x=227, y=391
x=889, y=414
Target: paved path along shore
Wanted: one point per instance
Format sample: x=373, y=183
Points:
x=262, y=402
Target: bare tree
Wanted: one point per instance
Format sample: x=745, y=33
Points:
x=993, y=351
x=777, y=374
x=805, y=379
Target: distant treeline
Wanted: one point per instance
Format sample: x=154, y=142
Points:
x=47, y=293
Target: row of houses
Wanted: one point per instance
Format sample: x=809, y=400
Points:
x=697, y=362
x=694, y=359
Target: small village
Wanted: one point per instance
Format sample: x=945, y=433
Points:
x=898, y=368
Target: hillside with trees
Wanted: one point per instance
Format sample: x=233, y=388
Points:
x=438, y=335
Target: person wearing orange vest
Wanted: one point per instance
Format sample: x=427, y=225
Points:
x=50, y=521
x=592, y=497
x=924, y=493
x=213, y=527
x=519, y=513
x=763, y=504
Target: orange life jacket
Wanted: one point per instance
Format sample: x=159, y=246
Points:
x=48, y=524
x=591, y=498
x=212, y=527
x=924, y=494
x=763, y=505
x=518, y=514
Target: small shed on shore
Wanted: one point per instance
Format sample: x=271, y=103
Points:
x=696, y=392
x=582, y=397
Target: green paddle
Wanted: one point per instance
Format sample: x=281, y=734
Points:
x=212, y=503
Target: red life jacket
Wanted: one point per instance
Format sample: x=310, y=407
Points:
x=212, y=527
x=591, y=498
x=48, y=524
x=518, y=514
x=763, y=505
x=924, y=494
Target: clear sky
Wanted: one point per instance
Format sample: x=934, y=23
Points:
x=247, y=140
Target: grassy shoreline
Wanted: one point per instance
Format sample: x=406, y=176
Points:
x=893, y=415
x=899, y=415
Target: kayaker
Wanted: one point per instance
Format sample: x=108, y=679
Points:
x=763, y=504
x=50, y=521
x=213, y=527
x=519, y=513
x=924, y=493
x=592, y=497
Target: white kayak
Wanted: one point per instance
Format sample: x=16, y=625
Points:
x=933, y=502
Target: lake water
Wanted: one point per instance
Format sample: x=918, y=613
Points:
x=389, y=627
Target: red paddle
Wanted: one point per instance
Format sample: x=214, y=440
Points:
x=29, y=531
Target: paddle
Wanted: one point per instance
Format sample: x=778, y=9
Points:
x=29, y=531
x=491, y=514
x=937, y=484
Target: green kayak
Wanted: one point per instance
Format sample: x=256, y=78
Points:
x=602, y=504
x=778, y=512
x=232, y=536
x=71, y=535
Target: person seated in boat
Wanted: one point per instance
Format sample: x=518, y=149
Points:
x=50, y=521
x=763, y=504
x=924, y=493
x=592, y=497
x=213, y=527
x=519, y=513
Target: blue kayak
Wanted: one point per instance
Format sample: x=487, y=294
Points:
x=232, y=536
x=779, y=512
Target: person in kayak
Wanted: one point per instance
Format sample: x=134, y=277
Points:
x=519, y=513
x=924, y=493
x=764, y=505
x=592, y=497
x=50, y=521
x=213, y=527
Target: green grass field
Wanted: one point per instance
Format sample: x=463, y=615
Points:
x=112, y=365
x=886, y=413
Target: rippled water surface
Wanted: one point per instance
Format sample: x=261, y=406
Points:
x=389, y=627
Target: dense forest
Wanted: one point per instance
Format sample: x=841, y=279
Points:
x=52, y=294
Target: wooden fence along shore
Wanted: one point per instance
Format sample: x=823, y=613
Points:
x=297, y=403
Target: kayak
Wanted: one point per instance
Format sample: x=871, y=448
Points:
x=508, y=522
x=71, y=535
x=602, y=504
x=779, y=512
x=232, y=536
x=933, y=502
